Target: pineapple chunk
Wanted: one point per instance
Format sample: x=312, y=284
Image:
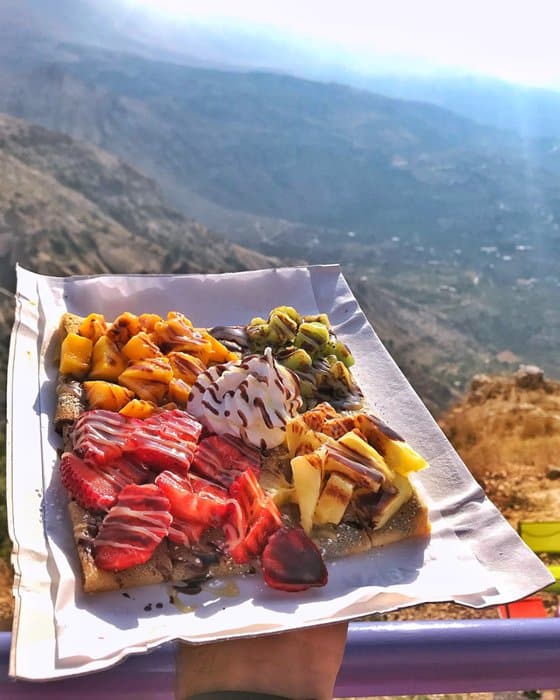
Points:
x=137, y=408
x=140, y=347
x=339, y=426
x=93, y=327
x=75, y=355
x=395, y=502
x=355, y=442
x=283, y=496
x=334, y=500
x=123, y=328
x=148, y=379
x=186, y=367
x=296, y=430
x=316, y=417
x=307, y=471
x=343, y=461
x=107, y=361
x=101, y=394
x=398, y=454
x=402, y=458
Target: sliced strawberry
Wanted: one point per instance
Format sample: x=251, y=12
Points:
x=252, y=518
x=185, y=532
x=89, y=486
x=101, y=436
x=166, y=440
x=223, y=458
x=194, y=499
x=126, y=470
x=291, y=561
x=133, y=528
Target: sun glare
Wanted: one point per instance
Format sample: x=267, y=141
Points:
x=515, y=41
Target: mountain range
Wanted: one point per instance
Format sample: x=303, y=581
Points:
x=448, y=230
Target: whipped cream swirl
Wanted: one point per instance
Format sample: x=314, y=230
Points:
x=250, y=399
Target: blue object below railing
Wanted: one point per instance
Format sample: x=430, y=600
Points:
x=398, y=658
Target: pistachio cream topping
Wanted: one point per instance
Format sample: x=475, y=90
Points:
x=250, y=399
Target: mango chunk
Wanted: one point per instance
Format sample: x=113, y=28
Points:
x=148, y=322
x=102, y=394
x=218, y=352
x=138, y=408
x=93, y=327
x=123, y=328
x=186, y=367
x=179, y=391
x=107, y=361
x=140, y=347
x=75, y=356
x=148, y=379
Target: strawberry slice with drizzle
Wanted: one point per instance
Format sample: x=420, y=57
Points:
x=222, y=458
x=291, y=561
x=195, y=504
x=165, y=440
x=133, y=528
x=253, y=517
x=96, y=488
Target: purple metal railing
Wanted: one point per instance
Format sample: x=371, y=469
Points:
x=381, y=658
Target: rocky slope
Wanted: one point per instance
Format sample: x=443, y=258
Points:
x=507, y=431
x=70, y=208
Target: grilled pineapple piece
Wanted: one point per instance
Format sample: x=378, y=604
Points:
x=398, y=454
x=307, y=471
x=334, y=500
x=356, y=443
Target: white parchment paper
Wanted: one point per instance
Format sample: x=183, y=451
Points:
x=473, y=556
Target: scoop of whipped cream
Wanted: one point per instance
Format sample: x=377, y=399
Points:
x=250, y=399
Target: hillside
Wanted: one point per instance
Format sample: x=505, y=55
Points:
x=506, y=429
x=69, y=208
x=322, y=155
x=450, y=227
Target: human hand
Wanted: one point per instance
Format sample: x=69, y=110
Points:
x=301, y=664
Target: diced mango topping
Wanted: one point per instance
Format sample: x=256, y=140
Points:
x=75, y=356
x=140, y=347
x=107, y=361
x=106, y=395
x=137, y=408
x=93, y=327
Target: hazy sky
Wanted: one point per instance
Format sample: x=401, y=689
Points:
x=513, y=39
